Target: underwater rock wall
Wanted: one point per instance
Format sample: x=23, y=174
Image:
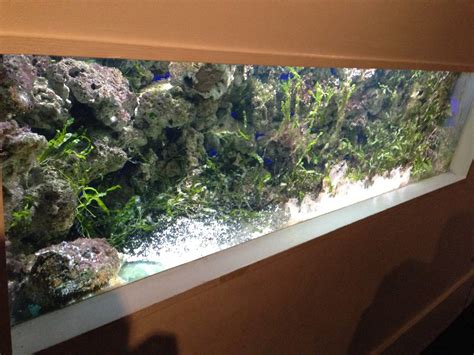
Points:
x=109, y=148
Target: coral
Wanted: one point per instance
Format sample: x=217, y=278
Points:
x=193, y=143
x=146, y=173
x=26, y=96
x=41, y=63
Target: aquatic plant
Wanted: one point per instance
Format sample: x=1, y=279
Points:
x=65, y=144
x=67, y=153
x=131, y=221
x=322, y=96
x=407, y=136
x=21, y=217
x=252, y=169
x=89, y=196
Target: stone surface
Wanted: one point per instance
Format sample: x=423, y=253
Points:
x=54, y=204
x=210, y=81
x=159, y=108
x=105, y=157
x=63, y=272
x=140, y=73
x=17, y=76
x=25, y=94
x=48, y=111
x=19, y=149
x=103, y=90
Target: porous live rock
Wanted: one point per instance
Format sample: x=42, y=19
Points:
x=17, y=76
x=193, y=143
x=132, y=139
x=181, y=154
x=139, y=73
x=102, y=89
x=206, y=114
x=63, y=272
x=363, y=107
x=160, y=108
x=54, y=205
x=48, y=111
x=27, y=97
x=19, y=149
x=146, y=173
x=105, y=157
x=41, y=63
x=210, y=81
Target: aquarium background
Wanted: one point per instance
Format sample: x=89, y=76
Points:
x=117, y=169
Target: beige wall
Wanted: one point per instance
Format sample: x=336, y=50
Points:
x=397, y=33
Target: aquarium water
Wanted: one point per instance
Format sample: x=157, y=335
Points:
x=115, y=169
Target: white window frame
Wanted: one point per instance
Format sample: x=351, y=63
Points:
x=60, y=325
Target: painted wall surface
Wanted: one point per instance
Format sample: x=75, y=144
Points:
x=364, y=33
x=389, y=283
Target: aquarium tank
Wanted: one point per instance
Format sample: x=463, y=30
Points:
x=114, y=170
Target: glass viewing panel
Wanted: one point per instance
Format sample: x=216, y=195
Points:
x=114, y=170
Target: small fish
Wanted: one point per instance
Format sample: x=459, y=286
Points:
x=286, y=76
x=158, y=77
x=454, y=106
x=267, y=162
x=259, y=135
x=333, y=71
x=212, y=152
x=234, y=115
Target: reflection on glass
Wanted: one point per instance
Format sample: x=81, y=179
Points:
x=118, y=169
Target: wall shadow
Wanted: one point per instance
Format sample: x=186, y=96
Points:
x=413, y=285
x=115, y=338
